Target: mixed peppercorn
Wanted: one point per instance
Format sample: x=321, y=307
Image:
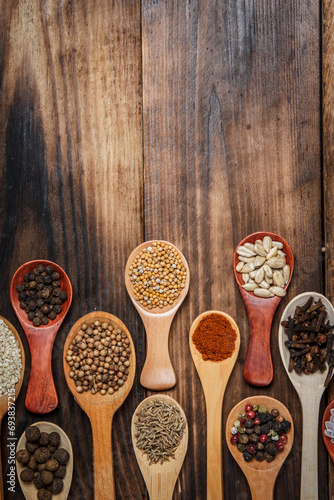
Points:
x=260, y=434
x=40, y=295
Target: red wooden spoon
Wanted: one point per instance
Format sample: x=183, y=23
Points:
x=258, y=367
x=327, y=415
x=41, y=394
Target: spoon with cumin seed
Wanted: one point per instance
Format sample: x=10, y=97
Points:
x=160, y=478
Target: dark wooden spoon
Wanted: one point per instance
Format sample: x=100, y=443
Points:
x=41, y=394
x=258, y=367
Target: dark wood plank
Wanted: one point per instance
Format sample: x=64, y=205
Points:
x=328, y=158
x=231, y=96
x=71, y=191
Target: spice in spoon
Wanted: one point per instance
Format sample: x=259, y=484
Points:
x=158, y=275
x=215, y=337
x=10, y=359
x=159, y=430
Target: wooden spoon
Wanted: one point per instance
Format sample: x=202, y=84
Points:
x=29, y=489
x=214, y=377
x=258, y=367
x=101, y=409
x=261, y=476
x=41, y=396
x=309, y=389
x=7, y=401
x=326, y=417
x=159, y=478
x=158, y=373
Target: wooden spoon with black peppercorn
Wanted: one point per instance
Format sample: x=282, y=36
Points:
x=258, y=367
x=158, y=373
x=8, y=401
x=101, y=408
x=261, y=476
x=41, y=396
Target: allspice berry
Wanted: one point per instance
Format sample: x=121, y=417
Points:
x=56, y=487
x=23, y=457
x=27, y=475
x=44, y=494
x=44, y=439
x=54, y=438
x=62, y=456
x=52, y=465
x=60, y=472
x=42, y=455
x=47, y=477
x=32, y=434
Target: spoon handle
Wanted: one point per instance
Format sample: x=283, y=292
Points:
x=214, y=465
x=158, y=373
x=258, y=367
x=104, y=483
x=310, y=402
x=262, y=484
x=41, y=394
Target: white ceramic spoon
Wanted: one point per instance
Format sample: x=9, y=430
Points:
x=309, y=389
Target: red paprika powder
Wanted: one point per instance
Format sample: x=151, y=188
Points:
x=215, y=337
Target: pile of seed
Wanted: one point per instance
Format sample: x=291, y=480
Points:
x=10, y=359
x=99, y=358
x=310, y=339
x=158, y=275
x=159, y=430
x=260, y=433
x=40, y=295
x=45, y=462
x=263, y=267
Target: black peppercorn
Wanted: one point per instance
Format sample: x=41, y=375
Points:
x=249, y=423
x=263, y=417
x=26, y=277
x=49, y=269
x=32, y=305
x=45, y=309
x=254, y=438
x=31, y=277
x=265, y=429
x=58, y=309
x=241, y=447
x=277, y=427
x=257, y=429
x=47, y=279
x=274, y=412
x=23, y=305
x=55, y=275
x=247, y=456
x=40, y=268
x=259, y=456
x=20, y=288
x=268, y=457
x=36, y=321
x=44, y=320
x=22, y=296
x=286, y=426
x=31, y=315
x=52, y=315
x=271, y=449
x=63, y=295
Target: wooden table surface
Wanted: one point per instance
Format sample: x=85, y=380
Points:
x=197, y=122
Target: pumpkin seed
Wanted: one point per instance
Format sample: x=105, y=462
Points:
x=262, y=292
x=267, y=243
x=272, y=253
x=239, y=266
x=286, y=273
x=260, y=250
x=278, y=279
x=259, y=260
x=277, y=290
x=250, y=287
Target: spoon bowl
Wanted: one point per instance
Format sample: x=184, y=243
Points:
x=326, y=417
x=41, y=396
x=309, y=389
x=158, y=373
x=6, y=401
x=214, y=377
x=29, y=489
x=261, y=476
x=258, y=367
x=101, y=409
x=160, y=478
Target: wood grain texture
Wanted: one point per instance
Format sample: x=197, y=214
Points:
x=231, y=107
x=71, y=190
x=197, y=122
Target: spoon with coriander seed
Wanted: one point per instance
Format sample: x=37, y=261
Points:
x=62, y=475
x=41, y=294
x=263, y=265
x=160, y=458
x=157, y=280
x=214, y=345
x=98, y=341
x=12, y=363
x=261, y=475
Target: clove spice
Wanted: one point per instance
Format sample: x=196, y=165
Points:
x=310, y=339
